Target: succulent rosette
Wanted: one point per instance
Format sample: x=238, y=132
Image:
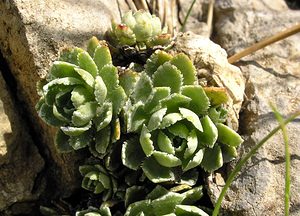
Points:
x=160, y=202
x=82, y=96
x=177, y=124
x=139, y=28
x=98, y=180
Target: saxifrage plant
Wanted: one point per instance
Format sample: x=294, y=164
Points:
x=140, y=29
x=82, y=96
x=156, y=123
x=178, y=126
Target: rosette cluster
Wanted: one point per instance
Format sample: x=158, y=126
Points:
x=176, y=121
x=98, y=180
x=158, y=202
x=82, y=96
x=139, y=28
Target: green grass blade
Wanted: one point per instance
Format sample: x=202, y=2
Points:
x=287, y=160
x=246, y=158
x=187, y=16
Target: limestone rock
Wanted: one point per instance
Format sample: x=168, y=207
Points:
x=20, y=160
x=272, y=75
x=32, y=33
x=211, y=63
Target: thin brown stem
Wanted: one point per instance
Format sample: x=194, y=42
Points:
x=160, y=7
x=145, y=5
x=132, y=5
x=210, y=15
x=174, y=18
x=277, y=37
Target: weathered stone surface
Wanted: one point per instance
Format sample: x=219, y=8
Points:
x=272, y=75
x=196, y=22
x=5, y=132
x=211, y=63
x=32, y=33
x=20, y=161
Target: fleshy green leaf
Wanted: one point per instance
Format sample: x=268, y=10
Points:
x=192, y=196
x=60, y=115
x=103, y=116
x=216, y=95
x=86, y=76
x=128, y=80
x=146, y=142
x=155, y=60
x=170, y=119
x=217, y=115
x=190, y=177
x=185, y=65
x=75, y=131
x=62, y=142
x=168, y=75
x=228, y=136
x=156, y=118
x=143, y=88
x=61, y=69
x=100, y=90
x=179, y=129
x=166, y=160
x=134, y=194
x=125, y=35
x=135, y=117
x=87, y=63
x=143, y=27
x=92, y=44
x=174, y=101
x=157, y=192
x=70, y=55
x=155, y=172
x=167, y=203
x=102, y=140
x=132, y=154
x=228, y=152
x=46, y=113
x=128, y=19
x=66, y=81
x=183, y=210
x=85, y=169
x=118, y=98
x=80, y=141
x=136, y=208
x=84, y=114
x=212, y=159
x=194, y=161
x=200, y=102
x=105, y=180
x=80, y=95
x=191, y=117
x=209, y=135
x=164, y=143
x=153, y=102
x=50, y=95
x=192, y=144
x=109, y=74
x=63, y=96
x=116, y=130
x=102, y=56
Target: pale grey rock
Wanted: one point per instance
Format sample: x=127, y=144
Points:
x=272, y=76
x=20, y=161
x=31, y=36
x=196, y=22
